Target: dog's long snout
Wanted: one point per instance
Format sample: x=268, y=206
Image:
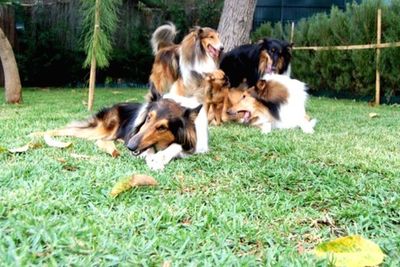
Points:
x=231, y=112
x=133, y=144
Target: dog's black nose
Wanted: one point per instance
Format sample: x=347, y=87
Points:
x=221, y=48
x=133, y=145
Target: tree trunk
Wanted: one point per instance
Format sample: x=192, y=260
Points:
x=236, y=22
x=92, y=80
x=12, y=82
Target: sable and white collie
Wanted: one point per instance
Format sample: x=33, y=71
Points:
x=276, y=101
x=175, y=64
x=163, y=129
x=253, y=61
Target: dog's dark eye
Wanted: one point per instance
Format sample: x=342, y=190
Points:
x=161, y=128
x=244, y=96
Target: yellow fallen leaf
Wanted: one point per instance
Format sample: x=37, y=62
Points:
x=127, y=183
x=373, y=115
x=55, y=143
x=350, y=251
x=3, y=149
x=109, y=147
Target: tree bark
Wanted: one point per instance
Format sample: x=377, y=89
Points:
x=12, y=82
x=92, y=80
x=236, y=22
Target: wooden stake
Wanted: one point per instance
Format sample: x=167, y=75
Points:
x=292, y=33
x=92, y=81
x=378, y=52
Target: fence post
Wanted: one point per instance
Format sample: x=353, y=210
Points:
x=292, y=32
x=378, y=52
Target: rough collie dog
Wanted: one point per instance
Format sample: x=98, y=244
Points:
x=174, y=64
x=253, y=61
x=159, y=131
x=277, y=101
x=219, y=96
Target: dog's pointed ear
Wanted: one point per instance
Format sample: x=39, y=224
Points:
x=191, y=113
x=154, y=95
x=261, y=85
x=200, y=31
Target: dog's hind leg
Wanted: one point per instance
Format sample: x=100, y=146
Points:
x=307, y=126
x=90, y=130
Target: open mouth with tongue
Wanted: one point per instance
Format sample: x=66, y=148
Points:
x=213, y=52
x=246, y=115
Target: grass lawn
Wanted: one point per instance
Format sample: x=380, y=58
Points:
x=253, y=199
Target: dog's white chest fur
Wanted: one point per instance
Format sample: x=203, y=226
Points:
x=206, y=65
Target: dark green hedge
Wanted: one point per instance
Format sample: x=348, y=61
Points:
x=345, y=73
x=50, y=49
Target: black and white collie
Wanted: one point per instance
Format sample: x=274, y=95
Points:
x=252, y=61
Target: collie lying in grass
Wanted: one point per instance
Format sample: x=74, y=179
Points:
x=276, y=101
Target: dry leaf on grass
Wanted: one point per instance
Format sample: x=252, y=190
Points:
x=109, y=147
x=127, y=183
x=373, y=115
x=79, y=156
x=31, y=145
x=55, y=143
x=350, y=251
x=21, y=149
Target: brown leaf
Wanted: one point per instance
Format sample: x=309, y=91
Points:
x=55, y=143
x=143, y=180
x=108, y=147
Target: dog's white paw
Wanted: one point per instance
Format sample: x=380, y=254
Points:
x=308, y=127
x=157, y=161
x=266, y=128
x=146, y=153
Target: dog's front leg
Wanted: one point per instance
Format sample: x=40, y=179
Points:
x=158, y=160
x=146, y=153
x=266, y=127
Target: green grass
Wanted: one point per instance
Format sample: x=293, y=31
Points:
x=253, y=199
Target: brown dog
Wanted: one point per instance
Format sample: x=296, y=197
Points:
x=219, y=97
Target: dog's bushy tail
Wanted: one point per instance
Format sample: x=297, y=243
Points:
x=163, y=36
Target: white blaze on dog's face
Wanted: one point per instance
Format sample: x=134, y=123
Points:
x=167, y=122
x=211, y=42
